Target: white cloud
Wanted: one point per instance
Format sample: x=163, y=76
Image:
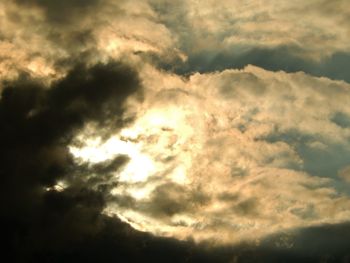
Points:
x=230, y=154
x=314, y=29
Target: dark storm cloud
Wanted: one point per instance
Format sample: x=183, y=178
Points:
x=327, y=243
x=37, y=125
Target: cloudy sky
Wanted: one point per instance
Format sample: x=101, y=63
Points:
x=175, y=131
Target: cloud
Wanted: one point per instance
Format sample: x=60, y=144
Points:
x=274, y=59
x=38, y=124
x=44, y=38
x=270, y=34
x=345, y=173
x=63, y=11
x=139, y=130
x=253, y=24
x=234, y=155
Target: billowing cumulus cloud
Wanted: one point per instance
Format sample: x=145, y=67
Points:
x=233, y=155
x=190, y=131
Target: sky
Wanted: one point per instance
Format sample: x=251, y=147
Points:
x=175, y=131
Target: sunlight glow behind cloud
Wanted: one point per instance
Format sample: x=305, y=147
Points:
x=208, y=159
x=230, y=119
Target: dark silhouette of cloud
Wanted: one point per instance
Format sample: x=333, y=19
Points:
x=38, y=124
